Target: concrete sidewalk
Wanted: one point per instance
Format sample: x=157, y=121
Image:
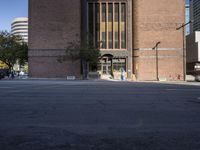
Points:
x=190, y=83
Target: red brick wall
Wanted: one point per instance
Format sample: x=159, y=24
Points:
x=52, y=25
x=49, y=67
x=153, y=21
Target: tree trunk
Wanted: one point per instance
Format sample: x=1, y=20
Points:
x=84, y=69
x=10, y=68
x=88, y=68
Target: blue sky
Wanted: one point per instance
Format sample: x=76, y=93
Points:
x=10, y=9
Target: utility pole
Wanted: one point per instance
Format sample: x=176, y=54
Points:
x=184, y=54
x=156, y=48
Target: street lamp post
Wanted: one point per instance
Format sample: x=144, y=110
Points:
x=183, y=34
x=156, y=48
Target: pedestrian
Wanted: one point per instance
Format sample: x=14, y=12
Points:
x=122, y=74
x=12, y=75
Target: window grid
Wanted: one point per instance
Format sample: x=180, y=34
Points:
x=108, y=28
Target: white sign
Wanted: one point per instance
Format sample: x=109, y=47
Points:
x=71, y=77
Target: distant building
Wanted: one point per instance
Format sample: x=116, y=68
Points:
x=195, y=15
x=19, y=26
x=193, y=39
x=193, y=51
x=187, y=18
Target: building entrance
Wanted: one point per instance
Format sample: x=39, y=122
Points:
x=108, y=65
x=105, y=65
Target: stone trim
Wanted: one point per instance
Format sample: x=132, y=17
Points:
x=61, y=52
x=160, y=49
x=46, y=49
x=46, y=52
x=161, y=56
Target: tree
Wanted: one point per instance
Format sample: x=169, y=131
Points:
x=12, y=49
x=22, y=54
x=85, y=52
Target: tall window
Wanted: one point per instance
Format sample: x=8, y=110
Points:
x=116, y=25
x=91, y=25
x=97, y=24
x=103, y=26
x=107, y=24
x=123, y=26
x=103, y=5
x=110, y=26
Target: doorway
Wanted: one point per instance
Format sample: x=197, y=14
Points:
x=105, y=65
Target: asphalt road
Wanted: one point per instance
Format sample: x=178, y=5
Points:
x=98, y=115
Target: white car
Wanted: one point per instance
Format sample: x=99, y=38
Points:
x=21, y=73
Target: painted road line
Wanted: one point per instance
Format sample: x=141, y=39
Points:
x=6, y=87
x=182, y=89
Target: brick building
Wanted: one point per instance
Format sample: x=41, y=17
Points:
x=138, y=35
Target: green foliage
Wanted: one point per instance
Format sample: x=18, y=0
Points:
x=22, y=53
x=3, y=65
x=12, y=49
x=89, y=53
x=72, y=52
x=84, y=51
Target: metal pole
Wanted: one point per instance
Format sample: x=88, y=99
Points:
x=184, y=69
x=157, y=63
x=156, y=49
x=184, y=58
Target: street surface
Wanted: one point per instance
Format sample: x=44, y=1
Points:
x=98, y=115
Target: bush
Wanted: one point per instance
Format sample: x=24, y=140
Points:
x=2, y=75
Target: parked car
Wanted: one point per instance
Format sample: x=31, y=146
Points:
x=197, y=78
x=197, y=72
